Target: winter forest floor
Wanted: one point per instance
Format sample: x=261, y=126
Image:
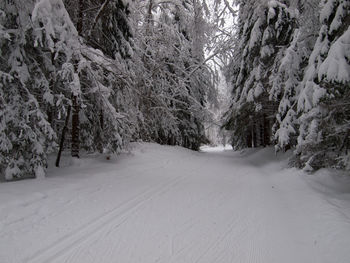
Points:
x=167, y=204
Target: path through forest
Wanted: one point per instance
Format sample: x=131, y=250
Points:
x=168, y=204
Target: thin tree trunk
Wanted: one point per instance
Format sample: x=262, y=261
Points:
x=49, y=113
x=100, y=143
x=75, y=127
x=101, y=119
x=64, y=130
x=254, y=135
x=262, y=132
x=249, y=138
x=267, y=131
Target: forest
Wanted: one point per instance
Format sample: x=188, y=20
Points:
x=96, y=75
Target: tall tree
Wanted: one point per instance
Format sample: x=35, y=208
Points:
x=323, y=101
x=265, y=29
x=48, y=69
x=281, y=61
x=175, y=80
x=287, y=78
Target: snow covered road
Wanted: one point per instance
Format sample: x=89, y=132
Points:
x=168, y=204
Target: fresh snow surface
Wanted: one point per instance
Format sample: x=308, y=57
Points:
x=168, y=204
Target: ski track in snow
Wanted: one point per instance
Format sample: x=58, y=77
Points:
x=171, y=205
x=113, y=218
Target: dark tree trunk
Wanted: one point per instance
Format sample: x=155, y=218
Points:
x=249, y=138
x=75, y=127
x=101, y=119
x=50, y=115
x=261, y=132
x=64, y=130
x=101, y=136
x=254, y=135
x=267, y=131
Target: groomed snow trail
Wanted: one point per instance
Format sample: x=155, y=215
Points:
x=168, y=204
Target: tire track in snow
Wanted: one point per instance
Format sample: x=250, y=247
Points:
x=117, y=215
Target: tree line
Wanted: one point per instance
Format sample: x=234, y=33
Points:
x=95, y=75
x=290, y=79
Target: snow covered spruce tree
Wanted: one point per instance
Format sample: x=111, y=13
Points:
x=48, y=72
x=297, y=78
x=26, y=136
x=104, y=24
x=105, y=100
x=175, y=81
x=265, y=29
x=80, y=79
x=323, y=103
x=105, y=27
x=289, y=72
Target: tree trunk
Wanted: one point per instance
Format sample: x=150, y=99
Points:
x=75, y=127
x=49, y=113
x=262, y=132
x=100, y=143
x=254, y=135
x=267, y=131
x=64, y=130
x=249, y=138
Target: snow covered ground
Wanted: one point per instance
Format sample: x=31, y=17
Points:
x=168, y=204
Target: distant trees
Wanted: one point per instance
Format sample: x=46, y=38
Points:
x=291, y=82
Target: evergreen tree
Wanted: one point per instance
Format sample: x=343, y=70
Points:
x=264, y=30
x=289, y=73
x=26, y=135
x=323, y=102
x=80, y=80
x=281, y=61
x=46, y=71
x=175, y=81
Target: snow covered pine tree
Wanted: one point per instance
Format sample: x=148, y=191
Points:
x=46, y=68
x=25, y=134
x=324, y=137
x=174, y=81
x=280, y=58
x=265, y=29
